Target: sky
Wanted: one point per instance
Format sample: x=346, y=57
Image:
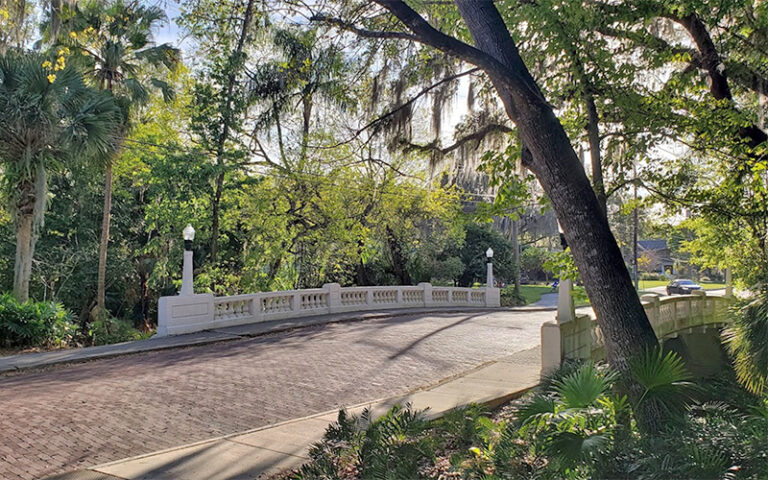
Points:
x=170, y=32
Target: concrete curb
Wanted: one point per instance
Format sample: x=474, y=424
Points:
x=31, y=361
x=270, y=449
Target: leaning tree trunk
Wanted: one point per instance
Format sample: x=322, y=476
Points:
x=104, y=243
x=553, y=160
x=619, y=312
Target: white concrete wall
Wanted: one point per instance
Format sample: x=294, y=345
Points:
x=194, y=313
x=581, y=338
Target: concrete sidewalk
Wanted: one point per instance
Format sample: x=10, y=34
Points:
x=269, y=450
x=26, y=361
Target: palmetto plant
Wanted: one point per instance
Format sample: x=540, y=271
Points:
x=113, y=43
x=45, y=121
x=747, y=342
x=665, y=380
x=390, y=447
x=577, y=416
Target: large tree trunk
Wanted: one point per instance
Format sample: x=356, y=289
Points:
x=24, y=251
x=620, y=314
x=29, y=209
x=106, y=217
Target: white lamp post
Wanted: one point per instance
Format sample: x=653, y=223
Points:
x=489, y=276
x=186, y=274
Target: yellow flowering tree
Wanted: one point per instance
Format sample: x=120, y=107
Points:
x=46, y=119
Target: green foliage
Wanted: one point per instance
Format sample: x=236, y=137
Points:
x=45, y=121
x=576, y=417
x=511, y=298
x=105, y=331
x=532, y=261
x=391, y=447
x=472, y=254
x=573, y=427
x=35, y=324
x=746, y=341
x=665, y=380
x=653, y=276
x=562, y=265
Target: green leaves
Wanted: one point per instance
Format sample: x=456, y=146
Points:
x=665, y=379
x=35, y=324
x=389, y=447
x=747, y=344
x=583, y=387
x=44, y=124
x=115, y=42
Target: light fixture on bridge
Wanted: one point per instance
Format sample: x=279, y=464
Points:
x=187, y=281
x=189, y=233
x=489, y=266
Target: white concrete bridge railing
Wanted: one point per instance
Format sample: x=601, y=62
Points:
x=581, y=338
x=195, y=313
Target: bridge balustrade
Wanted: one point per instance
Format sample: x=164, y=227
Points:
x=582, y=339
x=194, y=313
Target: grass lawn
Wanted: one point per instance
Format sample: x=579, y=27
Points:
x=533, y=293
x=646, y=284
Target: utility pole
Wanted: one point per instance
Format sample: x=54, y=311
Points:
x=634, y=231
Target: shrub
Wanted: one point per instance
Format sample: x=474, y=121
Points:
x=532, y=261
x=391, y=447
x=575, y=427
x=35, y=324
x=652, y=276
x=508, y=298
x=109, y=330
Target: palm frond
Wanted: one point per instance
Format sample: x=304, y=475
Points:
x=583, y=387
x=570, y=447
x=164, y=54
x=747, y=345
x=165, y=88
x=665, y=379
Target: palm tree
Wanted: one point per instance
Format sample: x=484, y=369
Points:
x=46, y=119
x=118, y=52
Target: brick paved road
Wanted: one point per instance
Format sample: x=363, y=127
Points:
x=81, y=415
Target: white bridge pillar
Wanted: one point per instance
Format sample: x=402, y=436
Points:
x=565, y=309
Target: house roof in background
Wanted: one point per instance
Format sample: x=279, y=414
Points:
x=652, y=244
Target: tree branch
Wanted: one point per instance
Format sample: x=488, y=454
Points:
x=383, y=117
x=475, y=136
x=341, y=24
x=429, y=35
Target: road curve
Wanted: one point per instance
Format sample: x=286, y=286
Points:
x=68, y=417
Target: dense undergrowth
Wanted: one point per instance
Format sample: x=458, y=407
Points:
x=48, y=325
x=575, y=426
